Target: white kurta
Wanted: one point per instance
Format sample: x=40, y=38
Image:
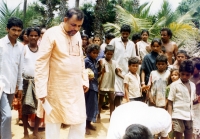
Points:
x=60, y=75
x=121, y=55
x=141, y=46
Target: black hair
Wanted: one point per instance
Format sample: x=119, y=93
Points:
x=92, y=47
x=144, y=30
x=109, y=36
x=36, y=29
x=186, y=66
x=169, y=32
x=97, y=36
x=21, y=36
x=75, y=11
x=133, y=60
x=169, y=79
x=84, y=36
x=137, y=131
x=125, y=28
x=109, y=48
x=161, y=58
x=14, y=21
x=182, y=52
x=196, y=62
x=136, y=36
x=156, y=40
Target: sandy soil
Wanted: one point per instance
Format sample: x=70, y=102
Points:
x=17, y=131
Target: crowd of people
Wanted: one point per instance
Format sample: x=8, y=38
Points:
x=76, y=73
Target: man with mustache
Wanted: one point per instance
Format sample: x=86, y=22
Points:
x=170, y=46
x=11, y=63
x=61, y=78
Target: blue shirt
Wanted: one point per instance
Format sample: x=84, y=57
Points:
x=92, y=64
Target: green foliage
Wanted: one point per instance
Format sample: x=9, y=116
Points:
x=54, y=3
x=5, y=14
x=181, y=26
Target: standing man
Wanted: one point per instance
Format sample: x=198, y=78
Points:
x=124, y=49
x=61, y=78
x=170, y=46
x=11, y=63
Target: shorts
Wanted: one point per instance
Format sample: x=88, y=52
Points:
x=105, y=92
x=183, y=126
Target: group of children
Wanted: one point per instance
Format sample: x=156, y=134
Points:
x=159, y=84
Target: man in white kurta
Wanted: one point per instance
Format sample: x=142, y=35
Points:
x=124, y=49
x=60, y=76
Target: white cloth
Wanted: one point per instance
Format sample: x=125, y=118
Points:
x=103, y=46
x=158, y=82
x=29, y=62
x=141, y=46
x=12, y=59
x=52, y=131
x=182, y=101
x=196, y=122
x=133, y=85
x=157, y=120
x=121, y=55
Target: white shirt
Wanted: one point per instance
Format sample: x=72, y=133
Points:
x=103, y=46
x=121, y=55
x=12, y=64
x=29, y=62
x=157, y=120
x=182, y=101
x=133, y=85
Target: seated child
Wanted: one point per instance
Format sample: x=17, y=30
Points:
x=132, y=81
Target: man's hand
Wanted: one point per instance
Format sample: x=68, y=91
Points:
x=19, y=94
x=42, y=99
x=85, y=88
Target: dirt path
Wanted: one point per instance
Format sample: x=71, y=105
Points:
x=17, y=131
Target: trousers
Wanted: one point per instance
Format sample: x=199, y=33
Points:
x=52, y=131
x=5, y=115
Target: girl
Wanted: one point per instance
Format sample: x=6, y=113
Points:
x=143, y=47
x=149, y=64
x=98, y=41
x=174, y=76
x=107, y=68
x=29, y=101
x=91, y=97
x=23, y=37
x=85, y=42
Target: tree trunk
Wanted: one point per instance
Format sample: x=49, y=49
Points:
x=99, y=11
x=24, y=11
x=50, y=14
x=63, y=8
x=77, y=4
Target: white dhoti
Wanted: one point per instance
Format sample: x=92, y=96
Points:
x=52, y=131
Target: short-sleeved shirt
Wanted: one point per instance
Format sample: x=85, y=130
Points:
x=158, y=82
x=149, y=64
x=182, y=100
x=157, y=120
x=133, y=85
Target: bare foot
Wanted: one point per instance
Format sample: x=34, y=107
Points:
x=87, y=131
x=91, y=127
x=37, y=136
x=26, y=136
x=98, y=120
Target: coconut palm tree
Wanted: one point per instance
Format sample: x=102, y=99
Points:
x=5, y=14
x=181, y=26
x=63, y=9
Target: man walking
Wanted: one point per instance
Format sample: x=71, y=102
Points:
x=61, y=78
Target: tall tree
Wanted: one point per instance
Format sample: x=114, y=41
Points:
x=50, y=14
x=24, y=10
x=63, y=9
x=77, y=3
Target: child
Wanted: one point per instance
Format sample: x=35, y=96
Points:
x=158, y=81
x=143, y=47
x=85, y=42
x=196, y=76
x=132, y=81
x=180, y=101
x=149, y=63
x=180, y=57
x=91, y=97
x=108, y=67
x=98, y=41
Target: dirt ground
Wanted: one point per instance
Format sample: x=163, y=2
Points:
x=17, y=131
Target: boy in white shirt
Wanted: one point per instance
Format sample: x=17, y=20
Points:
x=180, y=101
x=132, y=81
